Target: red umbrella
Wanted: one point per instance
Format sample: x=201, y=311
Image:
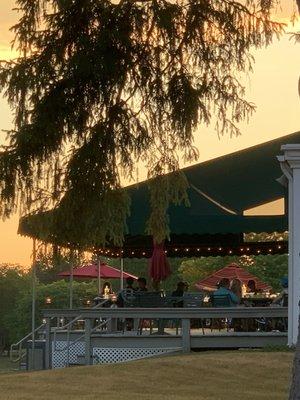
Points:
x=92, y=271
x=98, y=271
x=232, y=271
x=159, y=264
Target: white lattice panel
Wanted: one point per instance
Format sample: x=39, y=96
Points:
x=60, y=353
x=111, y=355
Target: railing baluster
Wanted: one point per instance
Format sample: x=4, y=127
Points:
x=68, y=345
x=186, y=335
x=48, y=344
x=87, y=337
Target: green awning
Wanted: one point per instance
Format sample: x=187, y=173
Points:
x=220, y=190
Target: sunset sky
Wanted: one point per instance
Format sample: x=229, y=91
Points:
x=273, y=88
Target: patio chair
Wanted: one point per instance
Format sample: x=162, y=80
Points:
x=283, y=322
x=173, y=301
x=219, y=301
x=285, y=300
x=194, y=300
x=129, y=299
x=148, y=300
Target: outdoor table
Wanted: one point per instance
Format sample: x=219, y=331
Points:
x=256, y=301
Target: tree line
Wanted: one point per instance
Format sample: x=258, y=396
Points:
x=15, y=285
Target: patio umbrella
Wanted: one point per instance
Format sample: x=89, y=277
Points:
x=98, y=271
x=159, y=264
x=232, y=271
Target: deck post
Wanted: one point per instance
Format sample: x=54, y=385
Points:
x=186, y=335
x=33, y=303
x=87, y=339
x=290, y=165
x=47, y=344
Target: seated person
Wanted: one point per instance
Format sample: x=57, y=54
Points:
x=142, y=285
x=223, y=290
x=179, y=292
x=282, y=299
x=129, y=288
x=251, y=287
x=236, y=288
x=128, y=291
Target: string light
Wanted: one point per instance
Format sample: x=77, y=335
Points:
x=252, y=249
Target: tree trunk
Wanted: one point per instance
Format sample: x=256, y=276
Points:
x=295, y=386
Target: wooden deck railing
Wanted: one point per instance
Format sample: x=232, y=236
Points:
x=185, y=315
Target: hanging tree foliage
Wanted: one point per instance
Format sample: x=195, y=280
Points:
x=102, y=85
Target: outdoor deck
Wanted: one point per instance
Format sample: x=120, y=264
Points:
x=69, y=345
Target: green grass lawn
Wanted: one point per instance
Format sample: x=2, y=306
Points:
x=218, y=375
x=6, y=366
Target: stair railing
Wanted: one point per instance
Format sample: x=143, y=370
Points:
x=19, y=345
x=78, y=339
x=69, y=324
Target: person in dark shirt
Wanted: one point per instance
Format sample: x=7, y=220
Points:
x=129, y=288
x=179, y=293
x=142, y=285
x=129, y=283
x=251, y=287
x=126, y=293
x=179, y=290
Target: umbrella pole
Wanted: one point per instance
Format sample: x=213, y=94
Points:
x=71, y=280
x=33, y=300
x=122, y=273
x=99, y=276
x=71, y=285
